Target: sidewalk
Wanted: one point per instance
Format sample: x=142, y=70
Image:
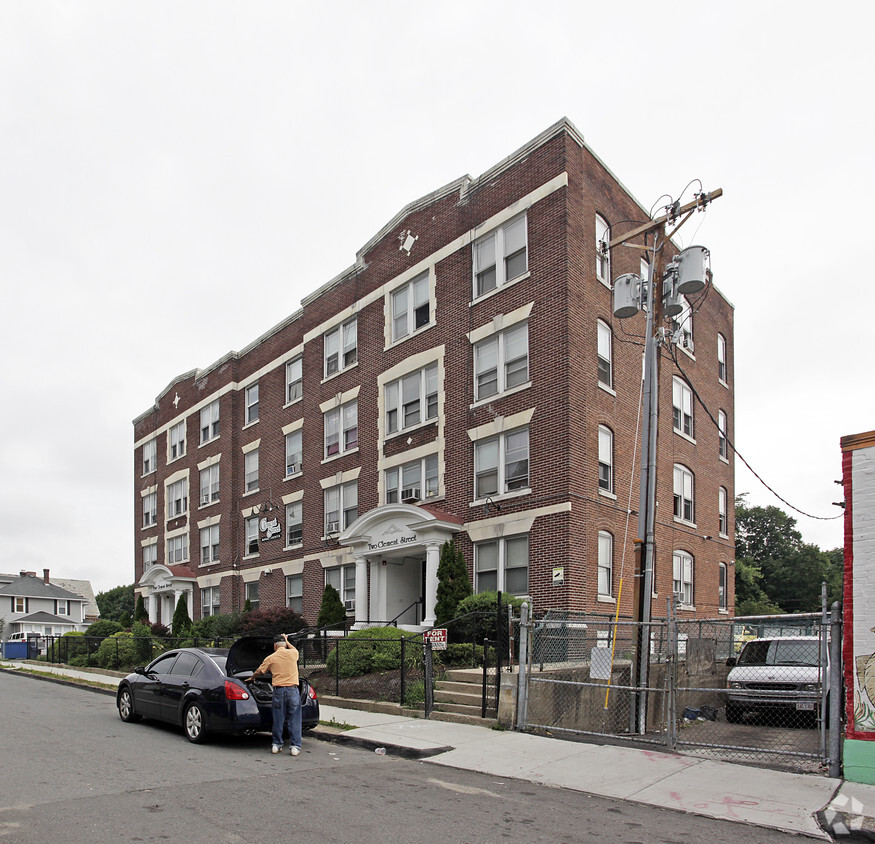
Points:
x=775, y=799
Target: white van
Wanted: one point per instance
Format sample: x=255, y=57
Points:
x=29, y=636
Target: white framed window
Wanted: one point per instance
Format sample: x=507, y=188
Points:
x=211, y=601
x=294, y=453
x=210, y=544
x=684, y=488
x=721, y=358
x=21, y=605
x=722, y=512
x=682, y=408
x=63, y=608
x=251, y=537
x=250, y=470
x=340, y=348
x=177, y=549
x=412, y=399
x=411, y=307
x=501, y=362
x=341, y=507
x=722, y=445
x=251, y=595
x=150, y=456
x=251, y=401
x=342, y=429
x=294, y=524
x=501, y=464
x=682, y=325
x=176, y=441
x=501, y=256
x=150, y=555
x=605, y=355
x=342, y=578
x=295, y=592
x=606, y=564
x=210, y=484
x=177, y=498
x=682, y=577
x=602, y=253
x=210, y=422
x=502, y=564
x=606, y=459
x=722, y=587
x=294, y=380
x=417, y=480
x=150, y=509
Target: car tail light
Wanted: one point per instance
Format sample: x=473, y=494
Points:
x=235, y=692
x=311, y=692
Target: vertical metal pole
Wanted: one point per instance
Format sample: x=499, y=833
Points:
x=522, y=688
x=824, y=662
x=483, y=692
x=429, y=686
x=404, y=669
x=836, y=698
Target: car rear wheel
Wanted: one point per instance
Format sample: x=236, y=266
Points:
x=126, y=707
x=193, y=722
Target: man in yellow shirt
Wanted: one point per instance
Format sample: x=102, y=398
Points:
x=283, y=666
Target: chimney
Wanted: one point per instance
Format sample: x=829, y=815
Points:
x=45, y=575
x=22, y=573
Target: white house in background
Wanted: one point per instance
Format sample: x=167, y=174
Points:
x=30, y=604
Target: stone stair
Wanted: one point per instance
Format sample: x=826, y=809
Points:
x=460, y=694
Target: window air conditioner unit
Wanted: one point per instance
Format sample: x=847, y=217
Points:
x=293, y=468
x=349, y=605
x=332, y=527
x=409, y=495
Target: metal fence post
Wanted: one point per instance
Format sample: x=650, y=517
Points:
x=337, y=669
x=403, y=671
x=522, y=693
x=485, y=664
x=428, y=665
x=836, y=698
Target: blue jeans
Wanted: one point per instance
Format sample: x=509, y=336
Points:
x=286, y=713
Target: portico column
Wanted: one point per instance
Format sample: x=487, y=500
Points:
x=432, y=557
x=361, y=592
x=153, y=608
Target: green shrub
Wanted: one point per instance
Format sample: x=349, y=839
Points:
x=454, y=584
x=72, y=645
x=371, y=650
x=271, y=622
x=216, y=627
x=117, y=651
x=332, y=612
x=103, y=628
x=140, y=613
x=181, y=620
x=475, y=617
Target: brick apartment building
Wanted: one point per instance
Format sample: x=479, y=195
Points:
x=464, y=379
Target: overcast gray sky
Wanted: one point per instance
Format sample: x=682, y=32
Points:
x=176, y=176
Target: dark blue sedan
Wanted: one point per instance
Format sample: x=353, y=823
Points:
x=203, y=690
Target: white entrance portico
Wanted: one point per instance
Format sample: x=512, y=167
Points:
x=161, y=587
x=399, y=545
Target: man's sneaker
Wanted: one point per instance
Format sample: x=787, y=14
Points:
x=294, y=751
x=275, y=749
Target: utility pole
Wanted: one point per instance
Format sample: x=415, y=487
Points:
x=629, y=292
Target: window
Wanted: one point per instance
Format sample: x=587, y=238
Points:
x=341, y=429
x=342, y=578
x=20, y=605
x=251, y=397
x=250, y=470
x=251, y=595
x=722, y=590
x=722, y=446
x=415, y=480
x=63, y=608
x=294, y=380
x=210, y=422
x=721, y=358
x=295, y=592
x=501, y=362
x=210, y=545
x=210, y=484
x=150, y=509
x=150, y=555
x=177, y=549
x=602, y=255
x=252, y=535
x=341, y=507
x=605, y=364
x=176, y=438
x=500, y=257
x=684, y=509
x=502, y=565
x=682, y=325
x=412, y=399
x=177, y=498
x=501, y=464
x=340, y=348
x=682, y=577
x=410, y=307
x=211, y=601
x=294, y=453
x=294, y=524
x=606, y=564
x=606, y=459
x=722, y=514
x=682, y=408
x=150, y=455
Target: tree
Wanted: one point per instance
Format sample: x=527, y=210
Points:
x=181, y=618
x=454, y=584
x=140, y=613
x=116, y=603
x=750, y=599
x=332, y=612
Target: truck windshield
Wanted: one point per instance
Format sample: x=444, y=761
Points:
x=780, y=652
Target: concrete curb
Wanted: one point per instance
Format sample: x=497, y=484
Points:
x=371, y=744
x=61, y=681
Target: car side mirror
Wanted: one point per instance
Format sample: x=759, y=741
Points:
x=140, y=669
x=731, y=662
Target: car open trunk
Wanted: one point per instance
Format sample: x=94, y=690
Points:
x=244, y=656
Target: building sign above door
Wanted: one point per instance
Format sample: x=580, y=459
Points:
x=392, y=536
